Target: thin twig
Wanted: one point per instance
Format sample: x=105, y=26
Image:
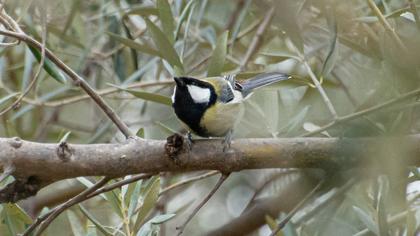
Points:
x=119, y=184
x=257, y=39
x=242, y=34
x=363, y=112
x=37, y=73
x=105, y=91
x=265, y=184
x=314, y=79
x=80, y=197
x=232, y=19
x=386, y=24
x=187, y=181
x=202, y=203
x=339, y=192
x=74, y=76
x=296, y=208
x=46, y=219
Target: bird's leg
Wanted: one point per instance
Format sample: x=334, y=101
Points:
x=227, y=140
x=188, y=139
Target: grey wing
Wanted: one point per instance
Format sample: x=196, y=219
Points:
x=226, y=93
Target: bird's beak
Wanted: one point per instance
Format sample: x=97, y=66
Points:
x=179, y=81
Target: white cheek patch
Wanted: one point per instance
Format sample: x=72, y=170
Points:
x=199, y=95
x=173, y=95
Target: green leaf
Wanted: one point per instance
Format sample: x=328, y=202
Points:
x=166, y=19
x=150, y=227
x=161, y=218
x=134, y=45
x=149, y=202
x=332, y=55
x=18, y=213
x=382, y=219
x=113, y=200
x=166, y=50
x=272, y=224
x=367, y=220
x=239, y=21
x=411, y=222
x=98, y=225
x=152, y=97
x=217, y=59
x=49, y=67
x=183, y=17
x=296, y=122
x=165, y=128
x=134, y=198
x=143, y=11
x=75, y=224
x=65, y=137
x=68, y=39
x=140, y=133
x=14, y=218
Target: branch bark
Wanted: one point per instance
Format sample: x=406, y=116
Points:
x=36, y=165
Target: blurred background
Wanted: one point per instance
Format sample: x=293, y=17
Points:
x=361, y=53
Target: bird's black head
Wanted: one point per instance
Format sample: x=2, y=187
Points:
x=191, y=98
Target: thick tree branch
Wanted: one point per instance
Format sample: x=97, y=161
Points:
x=36, y=165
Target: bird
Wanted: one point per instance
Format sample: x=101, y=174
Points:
x=212, y=107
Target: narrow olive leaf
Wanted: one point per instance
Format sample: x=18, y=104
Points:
x=217, y=59
x=75, y=224
x=332, y=55
x=239, y=21
x=272, y=224
x=166, y=50
x=148, y=204
x=98, y=225
x=68, y=39
x=166, y=19
x=114, y=201
x=297, y=121
x=152, y=97
x=75, y=7
x=140, y=133
x=134, y=198
x=65, y=137
x=26, y=108
x=17, y=213
x=165, y=128
x=382, y=218
x=85, y=181
x=49, y=67
x=162, y=218
x=134, y=45
x=14, y=218
x=411, y=222
x=7, y=98
x=150, y=227
x=183, y=17
x=144, y=11
x=88, y=184
x=367, y=220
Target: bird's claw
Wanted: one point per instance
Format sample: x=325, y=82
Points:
x=227, y=141
x=189, y=141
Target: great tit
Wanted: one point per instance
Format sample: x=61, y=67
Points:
x=212, y=107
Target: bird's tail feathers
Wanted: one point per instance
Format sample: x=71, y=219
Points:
x=261, y=80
